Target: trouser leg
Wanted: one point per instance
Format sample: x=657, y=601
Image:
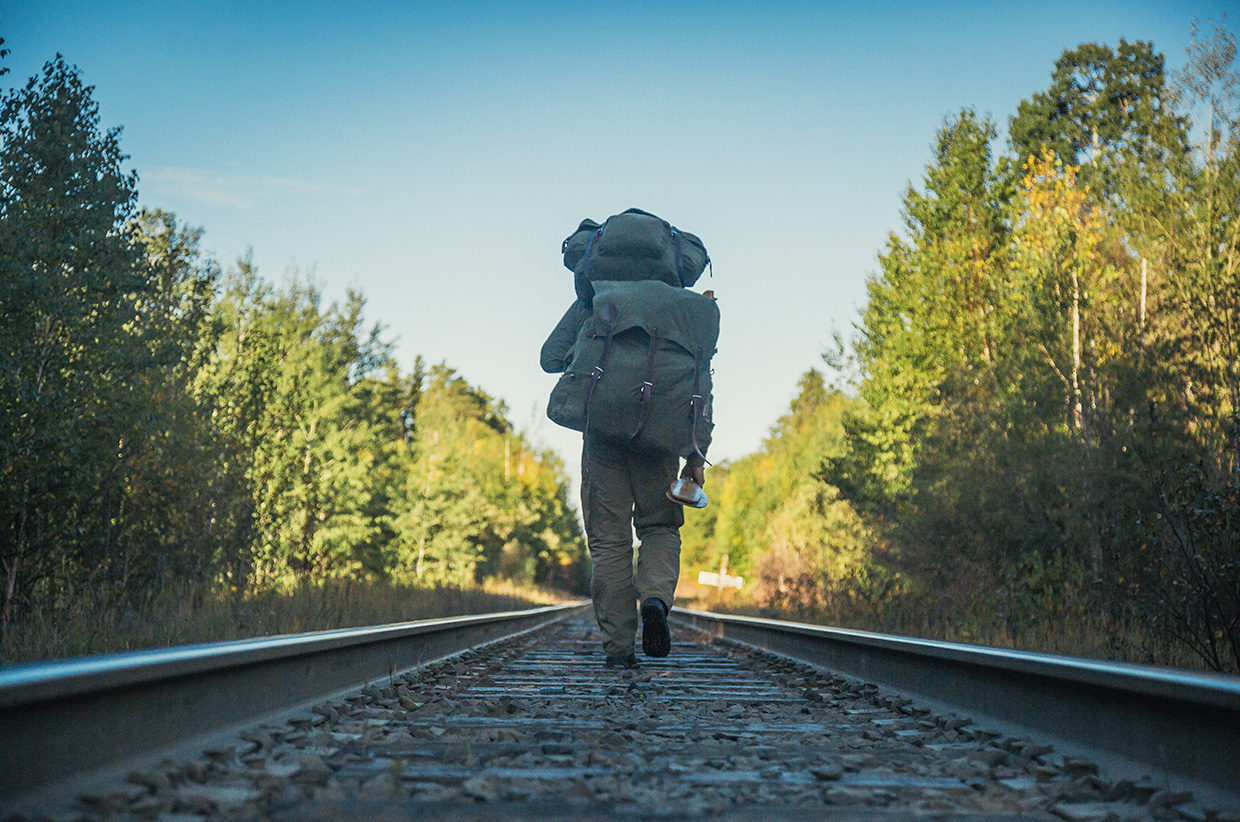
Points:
x=657, y=520
x=607, y=507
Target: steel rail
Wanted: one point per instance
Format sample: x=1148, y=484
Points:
x=63, y=719
x=1179, y=721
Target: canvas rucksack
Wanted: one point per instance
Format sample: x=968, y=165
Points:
x=639, y=371
x=630, y=246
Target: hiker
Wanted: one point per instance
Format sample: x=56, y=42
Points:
x=634, y=352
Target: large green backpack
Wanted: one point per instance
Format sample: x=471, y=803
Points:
x=639, y=371
x=632, y=245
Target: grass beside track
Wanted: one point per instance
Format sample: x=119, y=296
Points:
x=187, y=617
x=1094, y=636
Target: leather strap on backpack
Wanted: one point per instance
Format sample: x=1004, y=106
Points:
x=597, y=375
x=643, y=408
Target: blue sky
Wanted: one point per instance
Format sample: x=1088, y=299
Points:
x=435, y=156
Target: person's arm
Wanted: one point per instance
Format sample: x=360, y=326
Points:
x=554, y=356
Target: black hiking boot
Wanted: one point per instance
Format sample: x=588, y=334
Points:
x=622, y=662
x=656, y=636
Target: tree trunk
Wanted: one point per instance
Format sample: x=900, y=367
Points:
x=1078, y=413
x=45, y=352
x=1144, y=278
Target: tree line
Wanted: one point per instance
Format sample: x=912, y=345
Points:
x=1043, y=418
x=167, y=425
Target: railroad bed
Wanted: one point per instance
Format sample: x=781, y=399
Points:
x=535, y=728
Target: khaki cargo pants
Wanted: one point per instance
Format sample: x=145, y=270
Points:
x=622, y=490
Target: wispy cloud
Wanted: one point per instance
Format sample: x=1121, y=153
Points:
x=231, y=190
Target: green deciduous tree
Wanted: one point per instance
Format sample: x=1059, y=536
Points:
x=479, y=500
x=1185, y=571
x=164, y=509
x=800, y=547
x=1105, y=107
x=70, y=285
x=935, y=321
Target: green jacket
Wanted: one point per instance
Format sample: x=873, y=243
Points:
x=555, y=350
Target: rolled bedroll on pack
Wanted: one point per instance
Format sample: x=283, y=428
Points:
x=639, y=371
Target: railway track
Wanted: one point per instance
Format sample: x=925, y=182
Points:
x=747, y=719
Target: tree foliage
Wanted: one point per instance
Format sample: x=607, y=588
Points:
x=168, y=425
x=801, y=548
x=1047, y=362
x=1104, y=108
x=70, y=284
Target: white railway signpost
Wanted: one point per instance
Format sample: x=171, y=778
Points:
x=721, y=579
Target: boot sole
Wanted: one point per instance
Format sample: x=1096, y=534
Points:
x=656, y=636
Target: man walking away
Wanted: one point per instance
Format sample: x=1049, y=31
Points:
x=634, y=353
